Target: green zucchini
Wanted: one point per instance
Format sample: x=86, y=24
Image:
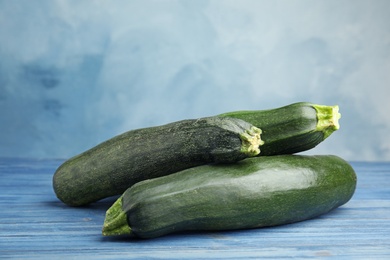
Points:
x=111, y=167
x=293, y=128
x=252, y=193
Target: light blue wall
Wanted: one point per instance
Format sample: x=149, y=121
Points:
x=75, y=73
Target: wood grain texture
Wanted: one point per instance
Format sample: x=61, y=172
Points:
x=35, y=224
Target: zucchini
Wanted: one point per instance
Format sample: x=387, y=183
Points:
x=255, y=192
x=293, y=128
x=111, y=167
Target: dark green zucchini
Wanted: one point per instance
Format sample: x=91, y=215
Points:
x=255, y=192
x=116, y=164
x=293, y=128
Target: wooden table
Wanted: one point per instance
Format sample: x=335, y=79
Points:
x=34, y=224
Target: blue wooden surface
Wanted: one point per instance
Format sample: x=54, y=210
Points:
x=34, y=224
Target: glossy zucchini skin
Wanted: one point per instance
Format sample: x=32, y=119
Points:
x=111, y=167
x=255, y=192
x=293, y=128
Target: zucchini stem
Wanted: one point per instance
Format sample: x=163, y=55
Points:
x=327, y=119
x=251, y=141
x=115, y=222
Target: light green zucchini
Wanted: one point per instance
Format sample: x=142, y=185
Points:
x=293, y=128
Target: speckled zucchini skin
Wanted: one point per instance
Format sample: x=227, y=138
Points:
x=116, y=164
x=255, y=192
x=293, y=128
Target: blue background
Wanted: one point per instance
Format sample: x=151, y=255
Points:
x=75, y=73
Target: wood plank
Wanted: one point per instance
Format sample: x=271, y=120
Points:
x=34, y=224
